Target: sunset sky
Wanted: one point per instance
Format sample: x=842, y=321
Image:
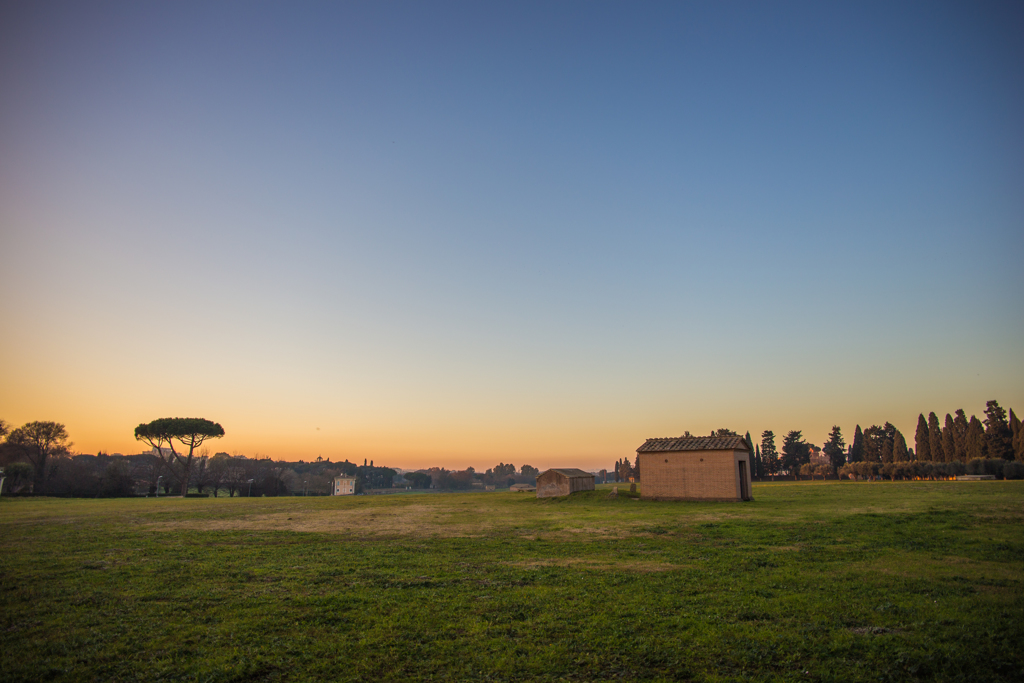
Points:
x=462, y=233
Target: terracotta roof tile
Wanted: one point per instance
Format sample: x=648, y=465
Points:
x=568, y=471
x=695, y=443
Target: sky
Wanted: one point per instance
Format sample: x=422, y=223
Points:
x=460, y=234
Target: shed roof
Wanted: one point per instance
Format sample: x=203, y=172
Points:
x=695, y=443
x=570, y=472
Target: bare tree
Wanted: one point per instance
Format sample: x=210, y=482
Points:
x=40, y=443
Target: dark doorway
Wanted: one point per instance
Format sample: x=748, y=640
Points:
x=744, y=481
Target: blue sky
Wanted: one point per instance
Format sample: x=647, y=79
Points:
x=455, y=233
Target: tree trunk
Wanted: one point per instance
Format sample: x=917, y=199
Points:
x=185, y=474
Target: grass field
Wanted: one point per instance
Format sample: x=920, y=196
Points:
x=817, y=581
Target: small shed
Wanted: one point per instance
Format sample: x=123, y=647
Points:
x=561, y=481
x=520, y=488
x=695, y=468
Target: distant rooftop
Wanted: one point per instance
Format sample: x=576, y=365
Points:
x=569, y=472
x=695, y=443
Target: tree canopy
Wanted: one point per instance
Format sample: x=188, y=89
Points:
x=922, y=440
x=769, y=456
x=834, y=448
x=40, y=443
x=795, y=451
x=189, y=431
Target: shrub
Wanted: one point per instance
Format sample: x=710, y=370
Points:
x=1013, y=470
x=906, y=470
x=116, y=481
x=19, y=477
x=868, y=470
x=993, y=466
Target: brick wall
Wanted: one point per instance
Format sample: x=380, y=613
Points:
x=554, y=484
x=692, y=475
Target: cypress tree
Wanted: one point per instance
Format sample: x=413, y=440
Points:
x=948, y=449
x=1015, y=429
x=921, y=442
x=887, y=450
x=753, y=455
x=998, y=437
x=934, y=436
x=795, y=451
x=960, y=425
x=857, y=447
x=975, y=441
x=1018, y=442
x=834, y=448
x=874, y=437
x=899, y=448
x=769, y=454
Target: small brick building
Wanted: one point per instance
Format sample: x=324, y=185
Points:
x=695, y=468
x=561, y=481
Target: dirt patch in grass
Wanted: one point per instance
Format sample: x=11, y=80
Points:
x=938, y=567
x=640, y=567
x=406, y=520
x=874, y=630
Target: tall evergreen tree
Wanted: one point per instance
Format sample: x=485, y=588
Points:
x=1014, y=424
x=948, y=447
x=857, y=447
x=960, y=425
x=886, y=455
x=795, y=451
x=754, y=455
x=998, y=437
x=834, y=448
x=975, y=441
x=874, y=437
x=769, y=454
x=934, y=437
x=921, y=440
x=899, y=448
x=1018, y=437
x=758, y=465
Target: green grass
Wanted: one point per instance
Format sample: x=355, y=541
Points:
x=810, y=582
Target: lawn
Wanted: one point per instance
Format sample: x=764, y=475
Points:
x=812, y=581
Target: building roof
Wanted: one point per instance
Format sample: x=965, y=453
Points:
x=695, y=443
x=570, y=472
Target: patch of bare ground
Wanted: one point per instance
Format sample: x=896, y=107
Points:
x=407, y=520
x=874, y=630
x=947, y=567
x=640, y=567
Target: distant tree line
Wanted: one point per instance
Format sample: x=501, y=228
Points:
x=961, y=446
x=501, y=475
x=37, y=460
x=994, y=446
